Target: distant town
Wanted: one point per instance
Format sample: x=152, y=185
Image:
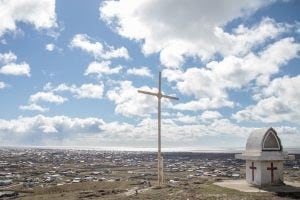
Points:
x=29, y=170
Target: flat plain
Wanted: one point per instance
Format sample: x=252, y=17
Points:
x=86, y=174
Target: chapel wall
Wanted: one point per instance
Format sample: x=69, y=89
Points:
x=266, y=174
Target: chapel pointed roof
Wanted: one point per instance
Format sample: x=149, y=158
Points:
x=263, y=140
x=263, y=144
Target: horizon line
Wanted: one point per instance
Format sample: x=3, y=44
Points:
x=144, y=149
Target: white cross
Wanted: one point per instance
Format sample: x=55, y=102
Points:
x=159, y=95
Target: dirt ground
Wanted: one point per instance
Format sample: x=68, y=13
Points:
x=204, y=189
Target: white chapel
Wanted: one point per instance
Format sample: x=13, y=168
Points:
x=264, y=158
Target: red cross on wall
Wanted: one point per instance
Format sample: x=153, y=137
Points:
x=272, y=168
x=252, y=168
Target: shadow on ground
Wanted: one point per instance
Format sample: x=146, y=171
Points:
x=284, y=191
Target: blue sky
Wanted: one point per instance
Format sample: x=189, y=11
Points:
x=69, y=73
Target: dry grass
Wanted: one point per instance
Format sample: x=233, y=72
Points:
x=196, y=188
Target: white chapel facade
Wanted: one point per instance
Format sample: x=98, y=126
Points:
x=264, y=158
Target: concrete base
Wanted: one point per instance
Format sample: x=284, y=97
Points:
x=243, y=186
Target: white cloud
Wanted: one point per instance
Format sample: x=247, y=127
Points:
x=50, y=47
x=201, y=84
x=210, y=85
x=244, y=39
x=142, y=71
x=203, y=104
x=69, y=131
x=48, y=86
x=47, y=97
x=237, y=72
x=98, y=50
x=186, y=119
x=89, y=90
x=41, y=14
x=3, y=41
x=277, y=102
x=210, y=115
x=129, y=102
x=63, y=130
x=169, y=27
x=7, y=57
x=115, y=53
x=85, y=91
x=14, y=69
x=100, y=68
x=2, y=85
x=43, y=130
x=83, y=42
x=172, y=74
x=34, y=107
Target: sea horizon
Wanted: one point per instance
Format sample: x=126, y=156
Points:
x=290, y=150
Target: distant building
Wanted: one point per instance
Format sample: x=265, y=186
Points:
x=264, y=158
x=4, y=194
x=5, y=182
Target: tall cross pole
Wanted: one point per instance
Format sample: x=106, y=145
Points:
x=159, y=96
